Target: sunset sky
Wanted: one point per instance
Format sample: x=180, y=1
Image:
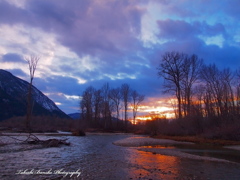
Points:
x=91, y=42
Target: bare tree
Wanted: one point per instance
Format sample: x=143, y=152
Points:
x=172, y=70
x=238, y=90
x=98, y=106
x=87, y=104
x=199, y=97
x=106, y=111
x=125, y=90
x=191, y=72
x=228, y=95
x=116, y=96
x=136, y=101
x=211, y=76
x=220, y=91
x=32, y=65
x=97, y=101
x=83, y=121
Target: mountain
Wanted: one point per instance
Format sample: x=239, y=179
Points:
x=13, y=99
x=75, y=116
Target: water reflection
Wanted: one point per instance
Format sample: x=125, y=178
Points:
x=97, y=158
x=153, y=166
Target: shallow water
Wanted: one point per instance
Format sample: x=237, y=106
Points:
x=95, y=157
x=211, y=151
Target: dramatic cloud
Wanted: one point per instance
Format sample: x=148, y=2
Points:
x=180, y=30
x=12, y=57
x=17, y=72
x=91, y=42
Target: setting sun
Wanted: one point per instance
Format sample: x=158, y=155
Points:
x=152, y=107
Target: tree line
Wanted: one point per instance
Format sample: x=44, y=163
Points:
x=102, y=108
x=202, y=91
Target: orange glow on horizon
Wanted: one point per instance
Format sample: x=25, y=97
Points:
x=143, y=118
x=155, y=107
x=151, y=116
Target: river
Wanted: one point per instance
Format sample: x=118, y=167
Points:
x=95, y=157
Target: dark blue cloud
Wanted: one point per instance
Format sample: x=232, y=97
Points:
x=110, y=32
x=67, y=68
x=191, y=38
x=176, y=29
x=10, y=14
x=18, y=72
x=66, y=85
x=179, y=29
x=12, y=57
x=86, y=27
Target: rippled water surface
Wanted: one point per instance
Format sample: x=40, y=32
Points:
x=95, y=157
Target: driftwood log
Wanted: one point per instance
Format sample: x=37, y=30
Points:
x=33, y=139
x=50, y=142
x=78, y=133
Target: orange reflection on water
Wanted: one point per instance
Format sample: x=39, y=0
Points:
x=149, y=165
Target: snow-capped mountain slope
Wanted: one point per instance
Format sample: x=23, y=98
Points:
x=13, y=98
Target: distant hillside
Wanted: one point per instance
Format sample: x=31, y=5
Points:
x=13, y=99
x=75, y=116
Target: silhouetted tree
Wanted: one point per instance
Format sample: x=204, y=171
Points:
x=32, y=65
x=97, y=101
x=228, y=95
x=106, y=111
x=136, y=101
x=87, y=104
x=116, y=96
x=171, y=69
x=98, y=106
x=125, y=90
x=180, y=73
x=238, y=90
x=191, y=71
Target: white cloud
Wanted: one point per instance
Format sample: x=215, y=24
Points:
x=17, y=3
x=58, y=103
x=72, y=97
x=27, y=41
x=149, y=27
x=120, y=76
x=213, y=40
